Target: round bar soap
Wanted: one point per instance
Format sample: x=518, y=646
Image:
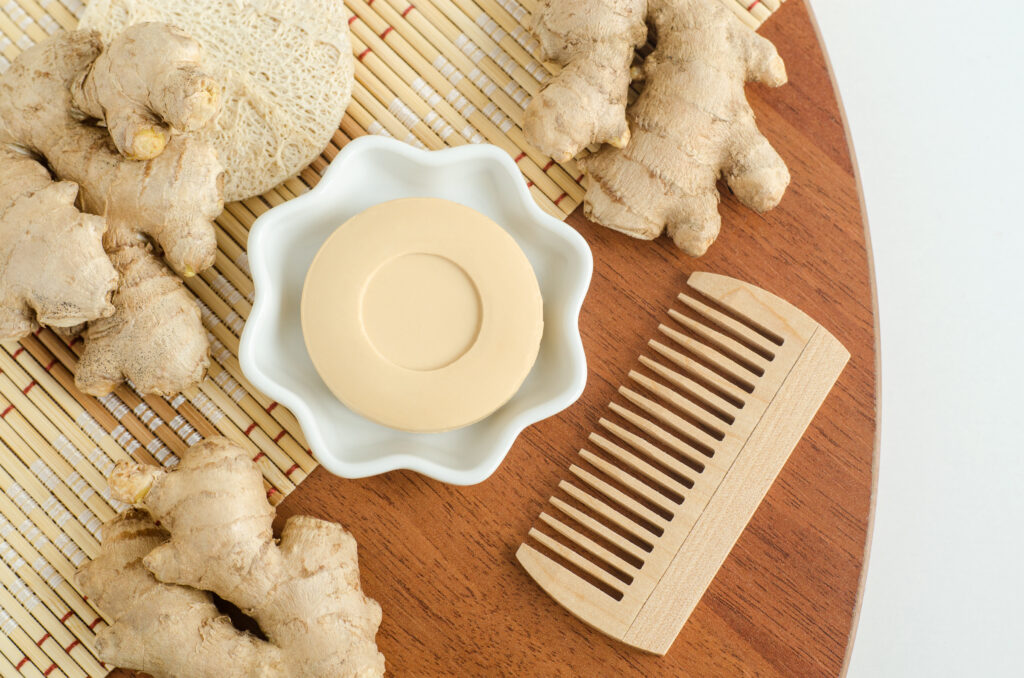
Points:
x=422, y=314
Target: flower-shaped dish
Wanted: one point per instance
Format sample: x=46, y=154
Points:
x=368, y=171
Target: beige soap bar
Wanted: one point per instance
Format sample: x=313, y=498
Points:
x=422, y=314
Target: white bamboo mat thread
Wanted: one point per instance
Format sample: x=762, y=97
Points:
x=434, y=73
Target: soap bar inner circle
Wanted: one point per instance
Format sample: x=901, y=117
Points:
x=421, y=311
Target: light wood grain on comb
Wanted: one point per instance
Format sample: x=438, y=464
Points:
x=704, y=449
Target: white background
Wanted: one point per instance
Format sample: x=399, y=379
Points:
x=934, y=96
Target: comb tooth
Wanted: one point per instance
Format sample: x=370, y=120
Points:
x=730, y=389
x=614, y=472
x=772, y=317
x=682, y=448
x=599, y=528
x=603, y=509
x=576, y=559
x=731, y=324
x=619, y=497
x=589, y=545
x=724, y=344
x=641, y=445
x=674, y=421
x=679, y=402
x=736, y=372
x=715, y=404
x=638, y=464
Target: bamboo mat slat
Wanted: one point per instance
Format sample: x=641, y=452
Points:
x=432, y=73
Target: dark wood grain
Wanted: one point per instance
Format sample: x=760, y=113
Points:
x=440, y=559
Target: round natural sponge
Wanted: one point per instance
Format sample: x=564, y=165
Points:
x=286, y=68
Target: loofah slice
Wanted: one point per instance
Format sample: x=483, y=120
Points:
x=286, y=67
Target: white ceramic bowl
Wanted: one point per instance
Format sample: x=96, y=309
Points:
x=368, y=171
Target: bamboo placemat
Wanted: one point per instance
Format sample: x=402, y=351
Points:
x=435, y=73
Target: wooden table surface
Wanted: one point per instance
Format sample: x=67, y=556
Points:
x=440, y=559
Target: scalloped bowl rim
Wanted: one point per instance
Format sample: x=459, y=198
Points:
x=263, y=284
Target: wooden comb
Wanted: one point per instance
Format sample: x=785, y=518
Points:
x=642, y=530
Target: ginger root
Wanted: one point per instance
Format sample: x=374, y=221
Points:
x=171, y=199
x=52, y=266
x=170, y=630
x=586, y=102
x=690, y=126
x=155, y=339
x=303, y=591
x=141, y=100
x=145, y=88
